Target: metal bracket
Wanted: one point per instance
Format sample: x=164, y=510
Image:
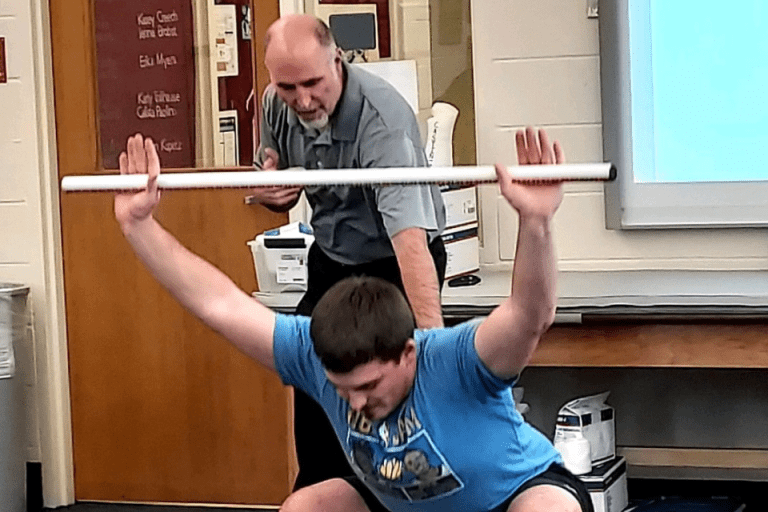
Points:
x=592, y=8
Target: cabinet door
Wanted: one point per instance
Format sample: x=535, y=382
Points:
x=163, y=409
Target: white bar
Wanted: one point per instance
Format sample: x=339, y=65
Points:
x=328, y=177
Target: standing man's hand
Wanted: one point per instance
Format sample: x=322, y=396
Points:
x=280, y=198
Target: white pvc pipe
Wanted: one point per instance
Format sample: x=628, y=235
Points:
x=328, y=177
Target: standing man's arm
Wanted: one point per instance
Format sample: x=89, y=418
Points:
x=408, y=212
x=278, y=199
x=196, y=284
x=417, y=269
x=505, y=341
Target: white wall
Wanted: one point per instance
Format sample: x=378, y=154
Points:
x=538, y=63
x=29, y=238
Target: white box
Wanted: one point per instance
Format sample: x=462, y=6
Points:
x=460, y=205
x=280, y=258
x=607, y=485
x=462, y=250
x=591, y=417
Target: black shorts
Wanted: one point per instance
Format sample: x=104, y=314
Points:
x=370, y=499
x=558, y=476
x=554, y=475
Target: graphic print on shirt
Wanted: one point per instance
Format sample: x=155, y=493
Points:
x=398, y=457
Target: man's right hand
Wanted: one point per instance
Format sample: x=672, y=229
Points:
x=140, y=157
x=279, y=198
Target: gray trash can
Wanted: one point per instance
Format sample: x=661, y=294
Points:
x=13, y=326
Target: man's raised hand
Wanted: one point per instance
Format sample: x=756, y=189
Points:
x=140, y=157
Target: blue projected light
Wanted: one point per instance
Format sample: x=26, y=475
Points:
x=699, y=87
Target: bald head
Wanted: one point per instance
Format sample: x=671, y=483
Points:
x=305, y=67
x=294, y=29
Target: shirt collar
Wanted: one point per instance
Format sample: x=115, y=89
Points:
x=345, y=120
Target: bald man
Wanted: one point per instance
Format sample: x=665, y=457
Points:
x=321, y=112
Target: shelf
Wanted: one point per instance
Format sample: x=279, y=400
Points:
x=696, y=463
x=715, y=345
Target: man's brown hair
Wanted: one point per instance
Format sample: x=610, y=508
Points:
x=358, y=320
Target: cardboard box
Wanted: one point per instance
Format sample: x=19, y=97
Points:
x=594, y=419
x=607, y=485
x=462, y=250
x=460, y=205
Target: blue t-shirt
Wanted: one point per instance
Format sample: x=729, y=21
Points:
x=455, y=443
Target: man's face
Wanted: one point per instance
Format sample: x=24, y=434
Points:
x=376, y=388
x=309, y=80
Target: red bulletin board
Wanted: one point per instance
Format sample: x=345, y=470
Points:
x=146, y=77
x=382, y=15
x=3, y=72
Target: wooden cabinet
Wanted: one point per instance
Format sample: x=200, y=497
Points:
x=706, y=414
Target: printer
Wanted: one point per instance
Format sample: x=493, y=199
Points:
x=280, y=258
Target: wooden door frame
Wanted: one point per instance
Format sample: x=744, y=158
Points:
x=74, y=57
x=51, y=360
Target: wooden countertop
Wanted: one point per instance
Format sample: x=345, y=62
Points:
x=689, y=345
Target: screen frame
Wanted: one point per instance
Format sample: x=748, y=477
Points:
x=633, y=205
x=365, y=30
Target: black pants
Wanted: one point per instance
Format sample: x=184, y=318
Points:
x=318, y=451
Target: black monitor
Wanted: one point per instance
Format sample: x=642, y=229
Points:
x=355, y=31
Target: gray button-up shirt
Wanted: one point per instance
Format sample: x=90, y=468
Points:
x=373, y=127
